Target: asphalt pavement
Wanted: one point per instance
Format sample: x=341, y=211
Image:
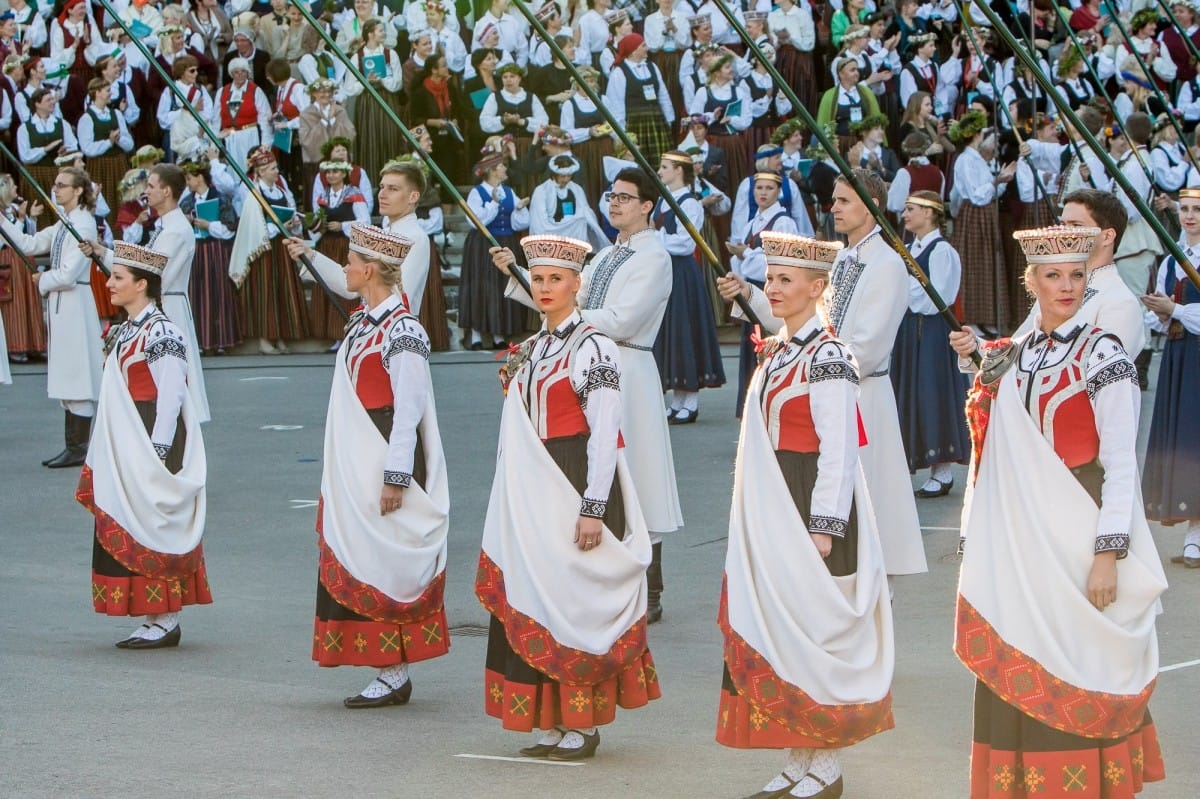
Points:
x=240, y=710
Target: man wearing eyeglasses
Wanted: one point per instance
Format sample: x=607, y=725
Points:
x=623, y=295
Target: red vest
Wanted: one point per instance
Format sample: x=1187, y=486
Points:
x=286, y=107
x=247, y=112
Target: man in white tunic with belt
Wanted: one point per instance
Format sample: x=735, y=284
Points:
x=173, y=235
x=75, y=354
x=868, y=300
x=624, y=294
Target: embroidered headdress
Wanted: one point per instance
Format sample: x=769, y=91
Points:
x=557, y=251
x=377, y=244
x=137, y=257
x=787, y=249
x=1057, y=244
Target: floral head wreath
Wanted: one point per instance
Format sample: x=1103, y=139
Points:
x=1142, y=18
x=968, y=127
x=787, y=130
x=868, y=123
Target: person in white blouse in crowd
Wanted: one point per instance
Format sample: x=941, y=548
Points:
x=240, y=113
x=511, y=31
x=591, y=31
x=493, y=120
x=186, y=137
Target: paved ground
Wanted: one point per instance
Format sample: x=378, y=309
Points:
x=239, y=710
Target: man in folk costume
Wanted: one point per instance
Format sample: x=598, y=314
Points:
x=1108, y=303
x=567, y=643
x=923, y=73
x=624, y=295
x=1083, y=169
x=384, y=512
x=173, y=235
x=1139, y=250
x=241, y=113
x=74, y=356
x=401, y=184
x=750, y=263
x=1061, y=582
x=864, y=309
x=809, y=652
x=637, y=97
x=147, y=558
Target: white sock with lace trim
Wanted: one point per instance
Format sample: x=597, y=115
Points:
x=141, y=631
x=573, y=739
x=825, y=767
x=552, y=736
x=389, y=679
x=794, y=770
x=941, y=472
x=160, y=625
x=1192, y=536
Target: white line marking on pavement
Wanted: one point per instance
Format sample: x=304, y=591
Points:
x=283, y=427
x=253, y=379
x=1184, y=665
x=940, y=529
x=301, y=504
x=527, y=760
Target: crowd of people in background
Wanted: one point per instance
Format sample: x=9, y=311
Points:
x=245, y=129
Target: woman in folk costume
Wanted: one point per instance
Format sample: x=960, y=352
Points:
x=687, y=350
x=336, y=206
x=1060, y=579
x=725, y=102
x=40, y=140
x=668, y=36
x=135, y=219
x=182, y=133
x=270, y=294
x=73, y=328
x=796, y=37
x=514, y=111
x=210, y=290
x=146, y=469
x=847, y=102
x=24, y=319
x=383, y=517
x=974, y=205
x=104, y=138
x=74, y=41
x=1173, y=451
x=565, y=547
x=590, y=136
x=482, y=308
x=806, y=618
x=560, y=207
x=930, y=389
x=376, y=142
x=769, y=106
x=241, y=112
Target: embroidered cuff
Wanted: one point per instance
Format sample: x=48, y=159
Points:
x=162, y=450
x=829, y=525
x=402, y=479
x=1113, y=543
x=593, y=508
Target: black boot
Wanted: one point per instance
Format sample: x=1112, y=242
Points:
x=1142, y=363
x=654, y=585
x=78, y=431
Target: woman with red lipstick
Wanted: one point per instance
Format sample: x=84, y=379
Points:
x=565, y=545
x=1060, y=579
x=806, y=619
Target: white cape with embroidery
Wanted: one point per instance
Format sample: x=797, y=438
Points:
x=587, y=600
x=163, y=512
x=829, y=636
x=401, y=553
x=1030, y=536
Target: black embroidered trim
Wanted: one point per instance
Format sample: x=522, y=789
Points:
x=602, y=376
x=163, y=347
x=162, y=450
x=402, y=479
x=603, y=276
x=593, y=508
x=405, y=343
x=1113, y=543
x=844, y=284
x=1119, y=371
x=828, y=525
x=833, y=370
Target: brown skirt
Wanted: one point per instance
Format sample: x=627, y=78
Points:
x=271, y=300
x=107, y=170
x=737, y=155
x=986, y=287
x=324, y=321
x=796, y=67
x=668, y=65
x=1021, y=215
x=433, y=304
x=591, y=167
x=24, y=321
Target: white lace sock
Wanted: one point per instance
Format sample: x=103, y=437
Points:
x=160, y=625
x=573, y=739
x=942, y=473
x=141, y=631
x=825, y=767
x=689, y=400
x=552, y=736
x=931, y=485
x=476, y=338
x=793, y=771
x=389, y=679
x=1192, y=536
x=676, y=400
